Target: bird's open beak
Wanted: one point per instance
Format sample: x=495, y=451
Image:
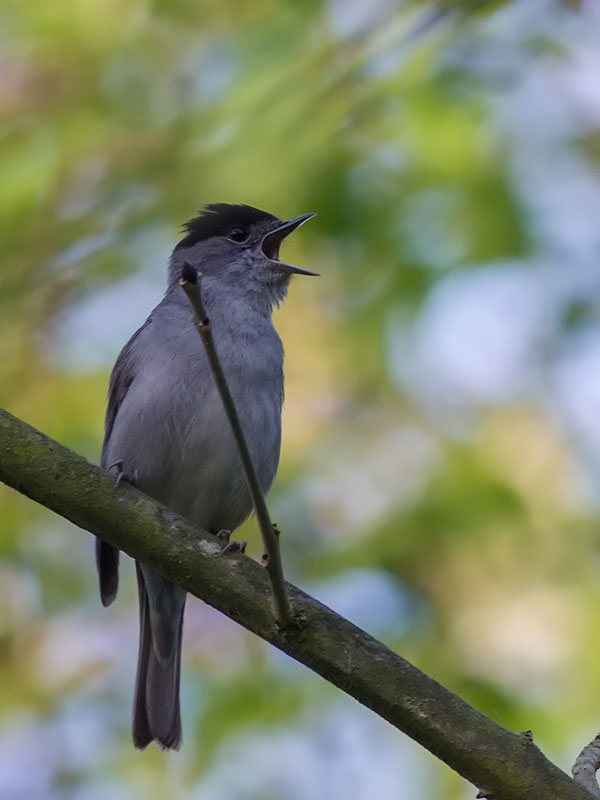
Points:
x=272, y=240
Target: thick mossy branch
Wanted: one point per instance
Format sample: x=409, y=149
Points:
x=501, y=764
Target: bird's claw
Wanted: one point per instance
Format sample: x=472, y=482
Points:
x=234, y=547
x=123, y=476
x=224, y=535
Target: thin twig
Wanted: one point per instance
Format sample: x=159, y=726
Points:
x=190, y=282
x=586, y=765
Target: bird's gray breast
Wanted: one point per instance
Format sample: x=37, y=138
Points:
x=172, y=426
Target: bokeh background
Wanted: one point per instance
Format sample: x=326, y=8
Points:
x=441, y=454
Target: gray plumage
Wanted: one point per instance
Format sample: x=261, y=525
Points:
x=166, y=423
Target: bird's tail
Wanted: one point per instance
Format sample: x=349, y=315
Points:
x=156, y=714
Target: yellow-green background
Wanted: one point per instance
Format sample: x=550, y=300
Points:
x=441, y=443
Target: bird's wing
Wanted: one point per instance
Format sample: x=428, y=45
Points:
x=121, y=378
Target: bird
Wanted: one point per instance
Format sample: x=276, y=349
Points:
x=166, y=428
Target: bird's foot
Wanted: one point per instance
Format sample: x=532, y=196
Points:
x=224, y=535
x=234, y=547
x=122, y=475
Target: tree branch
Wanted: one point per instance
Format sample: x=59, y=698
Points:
x=501, y=764
x=191, y=284
x=586, y=765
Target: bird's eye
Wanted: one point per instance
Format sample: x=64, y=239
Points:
x=238, y=234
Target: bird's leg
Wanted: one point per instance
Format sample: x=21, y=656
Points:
x=121, y=475
x=224, y=535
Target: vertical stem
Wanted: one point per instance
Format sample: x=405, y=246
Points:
x=190, y=282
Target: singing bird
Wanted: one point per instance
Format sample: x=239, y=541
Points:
x=167, y=431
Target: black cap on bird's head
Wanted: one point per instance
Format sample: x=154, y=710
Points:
x=218, y=219
x=225, y=236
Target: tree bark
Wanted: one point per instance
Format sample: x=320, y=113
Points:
x=501, y=764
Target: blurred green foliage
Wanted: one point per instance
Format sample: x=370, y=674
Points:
x=442, y=147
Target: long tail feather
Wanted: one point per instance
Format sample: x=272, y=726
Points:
x=156, y=712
